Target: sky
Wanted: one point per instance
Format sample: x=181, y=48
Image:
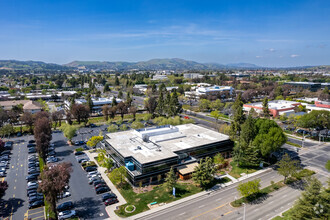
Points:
x=266, y=33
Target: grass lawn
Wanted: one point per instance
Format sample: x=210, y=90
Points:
x=293, y=144
x=237, y=171
x=285, y=216
x=158, y=194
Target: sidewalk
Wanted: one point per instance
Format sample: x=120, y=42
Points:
x=111, y=208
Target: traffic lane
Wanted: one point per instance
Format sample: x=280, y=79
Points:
x=15, y=199
x=296, y=141
x=214, y=200
x=274, y=204
x=87, y=204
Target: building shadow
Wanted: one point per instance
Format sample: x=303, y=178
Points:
x=88, y=208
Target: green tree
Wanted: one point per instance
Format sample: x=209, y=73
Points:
x=238, y=117
x=137, y=125
x=174, y=107
x=203, y=174
x=327, y=165
x=90, y=102
x=265, y=108
x=249, y=189
x=217, y=105
x=69, y=132
x=160, y=104
x=170, y=180
x=250, y=156
x=112, y=128
x=248, y=132
x=287, y=167
x=93, y=141
x=215, y=114
x=218, y=159
x=204, y=105
x=313, y=203
x=108, y=163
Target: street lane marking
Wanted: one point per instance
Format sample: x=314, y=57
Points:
x=12, y=167
x=37, y=217
x=218, y=199
x=201, y=206
x=182, y=213
x=21, y=165
x=14, y=187
x=36, y=212
x=228, y=212
x=16, y=174
x=208, y=211
x=270, y=202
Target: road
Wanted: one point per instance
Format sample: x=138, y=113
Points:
x=204, y=206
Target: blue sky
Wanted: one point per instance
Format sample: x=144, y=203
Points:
x=267, y=33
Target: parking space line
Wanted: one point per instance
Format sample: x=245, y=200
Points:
x=36, y=212
x=38, y=217
x=14, y=196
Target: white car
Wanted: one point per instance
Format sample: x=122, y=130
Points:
x=67, y=214
x=34, y=183
x=64, y=194
x=92, y=173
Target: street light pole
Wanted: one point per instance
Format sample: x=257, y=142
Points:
x=244, y=211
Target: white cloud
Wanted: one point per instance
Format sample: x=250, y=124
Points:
x=294, y=55
x=258, y=56
x=271, y=50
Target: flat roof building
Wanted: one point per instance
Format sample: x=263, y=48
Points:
x=276, y=107
x=149, y=152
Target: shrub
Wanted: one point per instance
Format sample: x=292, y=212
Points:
x=119, y=122
x=79, y=149
x=123, y=127
x=137, y=125
x=88, y=164
x=112, y=128
x=303, y=173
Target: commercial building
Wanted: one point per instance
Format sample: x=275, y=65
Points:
x=192, y=76
x=149, y=152
x=203, y=90
x=308, y=85
x=97, y=103
x=276, y=107
x=28, y=106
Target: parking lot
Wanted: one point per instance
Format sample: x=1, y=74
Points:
x=14, y=204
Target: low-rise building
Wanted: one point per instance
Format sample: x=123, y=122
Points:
x=202, y=90
x=276, y=107
x=149, y=152
x=192, y=76
x=28, y=105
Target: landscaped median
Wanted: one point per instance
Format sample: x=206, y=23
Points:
x=262, y=193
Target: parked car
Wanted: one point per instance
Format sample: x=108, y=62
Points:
x=52, y=159
x=102, y=190
x=91, y=168
x=32, y=150
x=92, y=173
x=110, y=201
x=36, y=204
x=51, y=153
x=5, y=152
x=32, y=141
x=64, y=195
x=35, y=198
x=67, y=214
x=106, y=196
x=64, y=206
x=34, y=193
x=31, y=145
x=100, y=185
x=79, y=153
x=32, y=187
x=2, y=173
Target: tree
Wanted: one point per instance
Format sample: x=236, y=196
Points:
x=248, y=132
x=114, y=102
x=132, y=110
x=90, y=103
x=150, y=104
x=105, y=111
x=112, y=128
x=28, y=119
x=53, y=182
x=203, y=173
x=313, y=203
x=250, y=188
x=80, y=112
x=112, y=111
x=215, y=114
x=270, y=142
x=69, y=131
x=122, y=109
x=287, y=167
x=217, y=105
x=218, y=160
x=160, y=104
x=170, y=180
x=42, y=136
x=116, y=81
x=108, y=163
x=93, y=141
x=56, y=118
x=265, y=108
x=174, y=107
x=120, y=94
x=250, y=156
x=204, y=104
x=238, y=117
x=137, y=125
x=3, y=117
x=7, y=130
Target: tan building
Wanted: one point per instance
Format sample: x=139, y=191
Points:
x=28, y=105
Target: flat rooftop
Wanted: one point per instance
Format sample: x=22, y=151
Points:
x=276, y=104
x=158, y=143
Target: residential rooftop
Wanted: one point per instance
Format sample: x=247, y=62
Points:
x=162, y=142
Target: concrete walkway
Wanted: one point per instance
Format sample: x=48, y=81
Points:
x=111, y=208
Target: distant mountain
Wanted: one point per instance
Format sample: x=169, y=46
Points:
x=157, y=64
x=30, y=66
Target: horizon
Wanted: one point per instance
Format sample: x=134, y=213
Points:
x=268, y=34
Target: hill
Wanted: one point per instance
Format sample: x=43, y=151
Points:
x=31, y=66
x=157, y=64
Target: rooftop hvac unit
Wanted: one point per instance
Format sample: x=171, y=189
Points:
x=158, y=149
x=138, y=148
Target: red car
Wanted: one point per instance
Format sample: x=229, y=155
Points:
x=186, y=117
x=110, y=201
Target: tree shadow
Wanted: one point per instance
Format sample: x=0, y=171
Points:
x=64, y=153
x=258, y=199
x=88, y=208
x=9, y=206
x=180, y=191
x=298, y=184
x=60, y=143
